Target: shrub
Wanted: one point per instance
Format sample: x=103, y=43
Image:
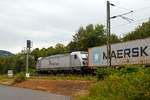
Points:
x=147, y=70
x=130, y=69
x=20, y=77
x=131, y=84
x=101, y=73
x=33, y=72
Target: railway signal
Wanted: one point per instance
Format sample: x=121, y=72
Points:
x=27, y=58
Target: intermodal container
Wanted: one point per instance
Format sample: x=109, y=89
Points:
x=131, y=52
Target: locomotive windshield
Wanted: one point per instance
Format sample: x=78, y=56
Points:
x=84, y=56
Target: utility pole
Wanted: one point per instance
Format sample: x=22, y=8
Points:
x=27, y=59
x=108, y=29
x=108, y=35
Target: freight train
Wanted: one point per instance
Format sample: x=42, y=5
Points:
x=130, y=52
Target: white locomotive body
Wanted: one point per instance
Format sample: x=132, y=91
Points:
x=63, y=62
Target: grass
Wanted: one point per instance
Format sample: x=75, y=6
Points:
x=5, y=80
x=4, y=77
x=8, y=80
x=65, y=77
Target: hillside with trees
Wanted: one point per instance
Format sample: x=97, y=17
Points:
x=4, y=53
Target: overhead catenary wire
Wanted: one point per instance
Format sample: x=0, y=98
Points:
x=126, y=18
x=134, y=21
x=141, y=9
x=129, y=30
x=130, y=23
x=134, y=11
x=122, y=14
x=123, y=8
x=131, y=11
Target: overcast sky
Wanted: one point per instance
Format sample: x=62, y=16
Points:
x=47, y=22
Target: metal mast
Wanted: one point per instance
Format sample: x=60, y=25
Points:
x=108, y=35
x=27, y=57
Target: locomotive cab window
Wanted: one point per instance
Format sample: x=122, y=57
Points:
x=75, y=56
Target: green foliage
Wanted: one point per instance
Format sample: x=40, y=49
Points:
x=20, y=77
x=44, y=52
x=2, y=65
x=33, y=72
x=66, y=77
x=59, y=48
x=132, y=84
x=140, y=32
x=88, y=37
x=4, y=77
x=147, y=70
x=114, y=38
x=130, y=69
x=4, y=53
x=16, y=63
x=101, y=73
x=72, y=46
x=36, y=53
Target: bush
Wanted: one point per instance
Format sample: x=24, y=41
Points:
x=133, y=86
x=130, y=83
x=33, y=72
x=101, y=73
x=20, y=77
x=130, y=69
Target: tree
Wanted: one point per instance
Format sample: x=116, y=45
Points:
x=140, y=32
x=2, y=65
x=72, y=46
x=50, y=51
x=59, y=48
x=88, y=37
x=114, y=38
x=36, y=53
x=43, y=52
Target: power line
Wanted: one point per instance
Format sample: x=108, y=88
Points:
x=129, y=30
x=126, y=18
x=122, y=14
x=134, y=11
x=123, y=17
x=123, y=8
x=141, y=9
x=127, y=23
x=131, y=22
x=120, y=7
